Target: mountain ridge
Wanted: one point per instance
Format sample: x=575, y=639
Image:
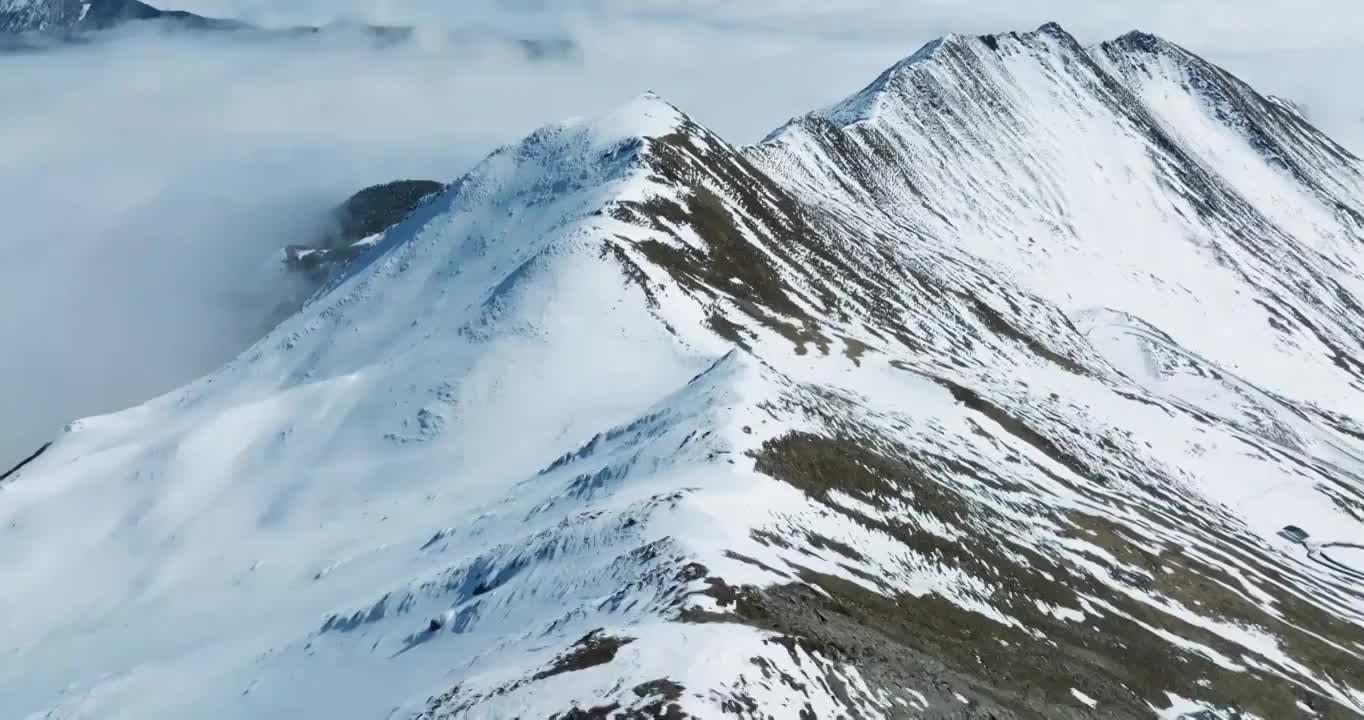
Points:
x=883, y=420
x=58, y=16
x=31, y=25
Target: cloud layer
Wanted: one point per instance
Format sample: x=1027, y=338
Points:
x=1208, y=24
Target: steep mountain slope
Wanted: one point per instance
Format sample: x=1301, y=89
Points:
x=1023, y=383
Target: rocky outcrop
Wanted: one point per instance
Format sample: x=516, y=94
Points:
x=14, y=471
x=355, y=225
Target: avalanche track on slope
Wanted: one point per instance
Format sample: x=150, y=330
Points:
x=1023, y=383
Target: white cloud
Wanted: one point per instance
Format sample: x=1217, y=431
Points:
x=147, y=186
x=1209, y=24
x=1304, y=49
x=148, y=181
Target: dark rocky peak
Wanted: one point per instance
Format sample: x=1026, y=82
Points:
x=1138, y=47
x=354, y=225
x=1140, y=41
x=1276, y=129
x=30, y=25
x=375, y=208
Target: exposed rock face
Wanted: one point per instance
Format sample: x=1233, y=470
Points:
x=1024, y=383
x=379, y=207
x=14, y=471
x=358, y=222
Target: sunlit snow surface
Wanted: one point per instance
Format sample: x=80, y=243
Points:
x=1076, y=330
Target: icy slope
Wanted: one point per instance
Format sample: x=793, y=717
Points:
x=305, y=476
x=1024, y=152
x=992, y=391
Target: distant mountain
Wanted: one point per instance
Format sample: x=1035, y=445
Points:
x=1025, y=382
x=27, y=25
x=56, y=16
x=38, y=15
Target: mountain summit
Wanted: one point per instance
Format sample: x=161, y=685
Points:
x=1023, y=383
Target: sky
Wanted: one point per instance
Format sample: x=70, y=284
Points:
x=147, y=182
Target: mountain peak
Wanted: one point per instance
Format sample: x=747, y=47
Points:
x=1137, y=45
x=1279, y=133
x=862, y=105
x=1141, y=41
x=647, y=115
x=950, y=54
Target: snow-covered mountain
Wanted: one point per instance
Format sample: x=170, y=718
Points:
x=1023, y=383
x=28, y=25
x=65, y=16
x=38, y=15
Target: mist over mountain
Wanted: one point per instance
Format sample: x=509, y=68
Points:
x=140, y=151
